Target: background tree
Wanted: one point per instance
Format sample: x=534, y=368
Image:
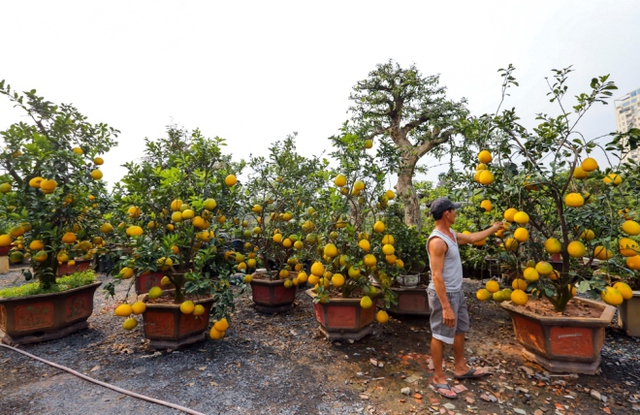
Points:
x=411, y=116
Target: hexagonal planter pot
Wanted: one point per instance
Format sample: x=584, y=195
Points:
x=148, y=280
x=44, y=317
x=167, y=327
x=80, y=265
x=628, y=313
x=562, y=344
x=272, y=296
x=343, y=318
x=411, y=302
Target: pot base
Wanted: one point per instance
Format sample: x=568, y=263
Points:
x=157, y=344
x=268, y=309
x=343, y=335
x=558, y=366
x=41, y=337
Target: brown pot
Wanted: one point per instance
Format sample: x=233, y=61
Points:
x=80, y=265
x=628, y=315
x=343, y=318
x=411, y=301
x=272, y=296
x=46, y=316
x=562, y=344
x=148, y=280
x=167, y=327
x=4, y=250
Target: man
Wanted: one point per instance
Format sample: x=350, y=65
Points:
x=449, y=316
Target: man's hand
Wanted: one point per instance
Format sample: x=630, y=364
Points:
x=448, y=317
x=497, y=225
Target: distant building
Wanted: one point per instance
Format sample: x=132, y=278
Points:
x=628, y=116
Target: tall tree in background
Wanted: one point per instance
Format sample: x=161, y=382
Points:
x=410, y=116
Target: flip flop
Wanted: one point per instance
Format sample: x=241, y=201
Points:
x=472, y=374
x=445, y=390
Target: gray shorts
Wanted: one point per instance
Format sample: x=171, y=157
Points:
x=458, y=303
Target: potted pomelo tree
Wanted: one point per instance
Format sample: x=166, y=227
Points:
x=281, y=230
x=355, y=263
x=559, y=203
x=179, y=207
x=52, y=160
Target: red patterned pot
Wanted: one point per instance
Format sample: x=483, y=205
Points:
x=343, y=318
x=46, y=316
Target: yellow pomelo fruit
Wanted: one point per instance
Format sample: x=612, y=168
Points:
x=587, y=235
x=388, y=249
x=77, y=150
x=519, y=297
x=302, y=277
x=602, y=253
x=390, y=196
x=589, y=164
x=633, y=262
x=628, y=247
x=370, y=260
x=208, y=204
x=492, y=286
x=106, y=228
x=5, y=240
x=35, y=182
x=198, y=310
x=576, y=249
x=388, y=239
x=364, y=245
x=96, y=174
x=368, y=144
x=124, y=310
x=340, y=180
x=358, y=185
x=134, y=230
x=40, y=256
x=579, y=173
x=530, y=274
x=506, y=294
x=98, y=161
x=48, y=185
x=125, y=273
x=509, y=214
x=248, y=279
x=382, y=316
x=176, y=204
x=519, y=284
x=317, y=269
x=130, y=323
x=485, y=157
x=486, y=177
x=497, y=296
x=69, y=238
x=366, y=302
x=221, y=325
x=624, y=289
x=36, y=245
x=613, y=178
x=330, y=250
x=574, y=200
x=378, y=226
x=138, y=307
x=483, y=294
x=337, y=280
x=230, y=180
x=544, y=268
x=521, y=218
x=481, y=166
x=5, y=188
x=187, y=307
x=631, y=227
x=216, y=334
x=188, y=214
x=611, y=296
x=354, y=273
x=553, y=246
x=521, y=235
x=486, y=205
x=154, y=292
x=511, y=244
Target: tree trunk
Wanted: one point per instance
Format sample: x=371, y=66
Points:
x=407, y=194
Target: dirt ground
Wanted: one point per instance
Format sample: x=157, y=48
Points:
x=280, y=364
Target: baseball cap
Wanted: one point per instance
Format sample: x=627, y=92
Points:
x=442, y=204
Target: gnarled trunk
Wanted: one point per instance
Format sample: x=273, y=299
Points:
x=408, y=196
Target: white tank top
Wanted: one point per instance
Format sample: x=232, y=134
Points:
x=452, y=271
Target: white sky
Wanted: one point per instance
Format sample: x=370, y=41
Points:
x=255, y=71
